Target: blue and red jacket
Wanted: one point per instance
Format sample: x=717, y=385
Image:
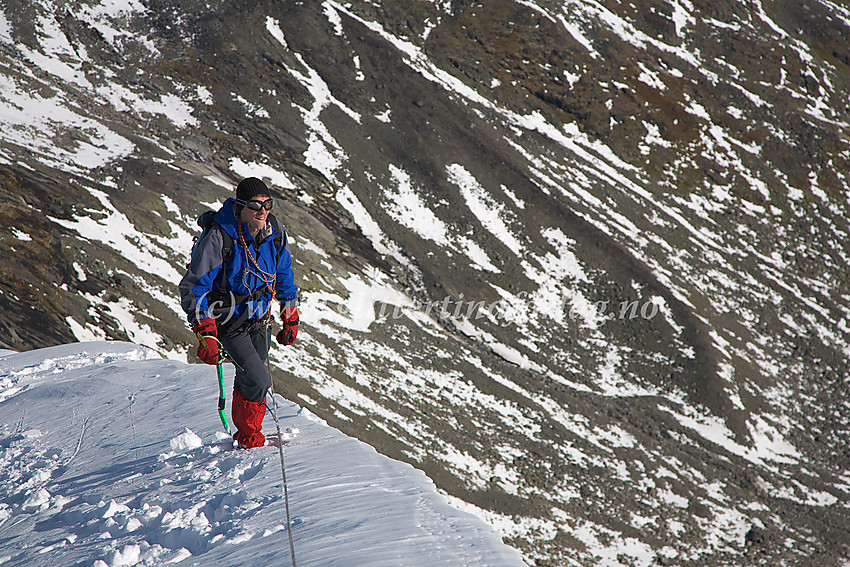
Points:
x=233, y=290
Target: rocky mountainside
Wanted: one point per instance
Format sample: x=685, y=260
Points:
x=585, y=263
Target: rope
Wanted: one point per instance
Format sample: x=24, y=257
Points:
x=282, y=465
x=270, y=280
x=276, y=423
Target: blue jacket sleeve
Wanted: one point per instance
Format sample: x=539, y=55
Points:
x=203, y=268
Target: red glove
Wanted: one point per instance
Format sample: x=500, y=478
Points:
x=205, y=330
x=287, y=334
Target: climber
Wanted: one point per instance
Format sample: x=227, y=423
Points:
x=239, y=263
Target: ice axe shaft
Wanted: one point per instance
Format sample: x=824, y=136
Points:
x=222, y=397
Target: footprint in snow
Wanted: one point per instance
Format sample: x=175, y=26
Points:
x=286, y=435
x=246, y=474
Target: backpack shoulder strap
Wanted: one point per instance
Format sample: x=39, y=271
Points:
x=226, y=242
x=226, y=252
x=207, y=222
x=279, y=241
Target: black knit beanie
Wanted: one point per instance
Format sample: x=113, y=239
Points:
x=249, y=188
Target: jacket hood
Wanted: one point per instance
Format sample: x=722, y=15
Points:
x=226, y=218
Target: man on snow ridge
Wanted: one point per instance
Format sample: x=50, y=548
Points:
x=235, y=270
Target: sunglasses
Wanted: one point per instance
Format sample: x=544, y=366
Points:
x=255, y=205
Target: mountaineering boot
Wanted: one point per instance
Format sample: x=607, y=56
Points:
x=248, y=419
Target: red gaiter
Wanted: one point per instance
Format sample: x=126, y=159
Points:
x=248, y=419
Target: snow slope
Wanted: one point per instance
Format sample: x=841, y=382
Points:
x=110, y=455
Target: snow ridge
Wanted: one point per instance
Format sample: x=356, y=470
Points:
x=111, y=456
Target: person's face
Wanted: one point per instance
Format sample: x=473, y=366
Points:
x=255, y=219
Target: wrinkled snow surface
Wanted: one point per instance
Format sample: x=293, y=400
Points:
x=110, y=455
